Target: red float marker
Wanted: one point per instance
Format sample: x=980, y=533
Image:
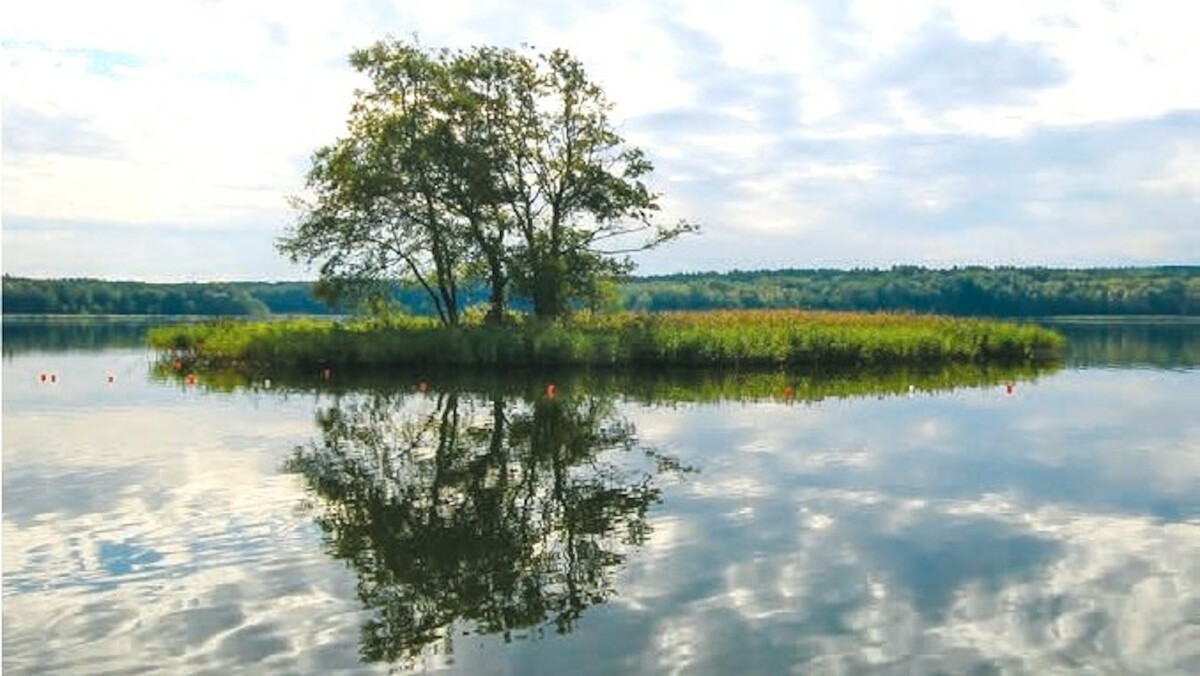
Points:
x=551, y=390
x=191, y=379
x=42, y=377
x=1009, y=388
x=787, y=392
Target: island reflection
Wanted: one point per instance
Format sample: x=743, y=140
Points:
x=645, y=386
x=461, y=512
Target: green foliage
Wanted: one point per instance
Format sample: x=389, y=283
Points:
x=1003, y=292
x=378, y=203
x=89, y=296
x=980, y=291
x=748, y=338
x=495, y=162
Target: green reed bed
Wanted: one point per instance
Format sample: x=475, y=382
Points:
x=729, y=338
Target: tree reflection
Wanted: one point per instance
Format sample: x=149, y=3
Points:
x=500, y=514
x=1131, y=341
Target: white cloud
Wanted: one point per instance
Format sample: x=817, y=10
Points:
x=642, y=75
x=747, y=41
x=1180, y=174
x=194, y=115
x=197, y=149
x=1124, y=60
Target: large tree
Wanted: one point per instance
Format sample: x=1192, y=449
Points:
x=500, y=163
x=375, y=208
x=573, y=186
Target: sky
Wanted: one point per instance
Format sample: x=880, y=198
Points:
x=161, y=141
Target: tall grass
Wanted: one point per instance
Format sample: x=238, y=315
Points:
x=726, y=338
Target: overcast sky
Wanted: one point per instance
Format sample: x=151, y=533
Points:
x=160, y=140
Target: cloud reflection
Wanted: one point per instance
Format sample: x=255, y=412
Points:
x=959, y=551
x=1053, y=530
x=160, y=537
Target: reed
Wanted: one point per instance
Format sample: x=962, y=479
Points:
x=759, y=338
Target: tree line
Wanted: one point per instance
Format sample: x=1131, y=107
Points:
x=979, y=291
x=94, y=297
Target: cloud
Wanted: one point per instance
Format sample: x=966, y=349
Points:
x=940, y=69
x=1062, y=195
x=31, y=132
x=195, y=251
x=827, y=133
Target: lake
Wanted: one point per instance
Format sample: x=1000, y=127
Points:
x=700, y=523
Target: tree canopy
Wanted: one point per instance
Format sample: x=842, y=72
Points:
x=496, y=163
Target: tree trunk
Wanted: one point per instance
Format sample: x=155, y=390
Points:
x=497, y=280
x=549, y=290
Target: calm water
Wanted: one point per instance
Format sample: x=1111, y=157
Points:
x=694, y=523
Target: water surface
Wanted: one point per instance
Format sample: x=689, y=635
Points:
x=987, y=522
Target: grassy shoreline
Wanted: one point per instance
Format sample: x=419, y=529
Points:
x=776, y=338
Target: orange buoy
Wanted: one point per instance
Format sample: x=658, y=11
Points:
x=551, y=390
x=191, y=379
x=787, y=392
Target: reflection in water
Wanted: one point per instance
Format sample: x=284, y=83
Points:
x=844, y=529
x=498, y=514
x=29, y=333
x=647, y=386
x=1131, y=341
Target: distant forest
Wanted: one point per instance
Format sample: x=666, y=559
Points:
x=981, y=291
x=995, y=292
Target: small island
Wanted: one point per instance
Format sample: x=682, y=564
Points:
x=760, y=338
x=501, y=168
